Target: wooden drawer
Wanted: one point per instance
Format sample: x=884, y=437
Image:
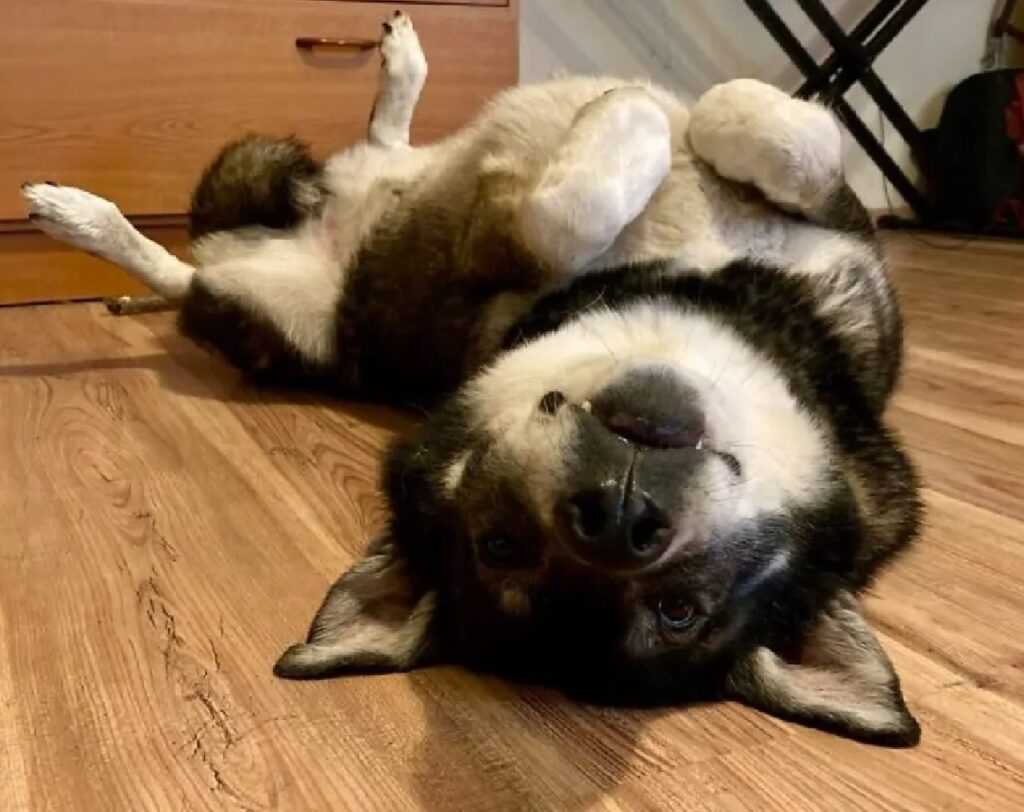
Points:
x=131, y=98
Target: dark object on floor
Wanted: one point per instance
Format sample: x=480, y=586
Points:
x=976, y=154
x=134, y=305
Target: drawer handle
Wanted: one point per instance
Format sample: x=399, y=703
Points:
x=336, y=43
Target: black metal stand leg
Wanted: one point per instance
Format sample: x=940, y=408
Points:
x=889, y=17
x=864, y=29
x=775, y=26
x=860, y=69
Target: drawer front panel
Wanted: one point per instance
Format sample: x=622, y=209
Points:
x=131, y=98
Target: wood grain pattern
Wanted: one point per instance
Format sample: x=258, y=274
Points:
x=36, y=268
x=165, y=531
x=131, y=99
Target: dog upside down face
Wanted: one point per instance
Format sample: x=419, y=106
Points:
x=640, y=506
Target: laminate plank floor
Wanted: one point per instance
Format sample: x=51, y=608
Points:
x=166, y=530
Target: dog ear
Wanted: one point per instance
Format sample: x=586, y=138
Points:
x=842, y=680
x=378, y=617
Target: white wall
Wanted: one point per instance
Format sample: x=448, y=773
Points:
x=690, y=45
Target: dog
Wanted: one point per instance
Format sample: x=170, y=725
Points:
x=658, y=343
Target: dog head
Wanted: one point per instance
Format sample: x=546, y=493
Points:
x=634, y=507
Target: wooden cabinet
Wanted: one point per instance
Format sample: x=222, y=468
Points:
x=131, y=98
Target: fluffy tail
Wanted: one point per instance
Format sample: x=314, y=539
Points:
x=97, y=226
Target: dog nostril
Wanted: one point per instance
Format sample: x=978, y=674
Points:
x=589, y=515
x=648, y=530
x=616, y=529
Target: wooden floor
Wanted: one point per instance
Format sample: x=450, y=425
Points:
x=166, y=531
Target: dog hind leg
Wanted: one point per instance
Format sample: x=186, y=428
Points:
x=403, y=73
x=790, y=149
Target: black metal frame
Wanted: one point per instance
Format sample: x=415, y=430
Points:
x=1002, y=27
x=849, y=63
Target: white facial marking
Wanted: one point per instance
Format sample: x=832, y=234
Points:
x=454, y=473
x=749, y=409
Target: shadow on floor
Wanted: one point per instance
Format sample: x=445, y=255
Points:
x=509, y=746
x=187, y=369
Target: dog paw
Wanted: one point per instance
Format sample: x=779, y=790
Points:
x=72, y=215
x=755, y=133
x=576, y=212
x=401, y=54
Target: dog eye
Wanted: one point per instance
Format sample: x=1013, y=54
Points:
x=499, y=551
x=677, y=612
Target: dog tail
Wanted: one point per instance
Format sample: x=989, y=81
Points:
x=98, y=227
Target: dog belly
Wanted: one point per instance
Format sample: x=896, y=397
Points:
x=287, y=282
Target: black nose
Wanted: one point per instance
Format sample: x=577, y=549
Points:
x=617, y=526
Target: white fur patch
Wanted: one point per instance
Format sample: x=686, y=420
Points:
x=403, y=73
x=362, y=181
x=850, y=279
x=755, y=133
x=290, y=279
x=614, y=157
x=749, y=409
x=453, y=474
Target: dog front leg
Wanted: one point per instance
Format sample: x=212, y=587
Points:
x=612, y=160
x=403, y=71
x=789, y=149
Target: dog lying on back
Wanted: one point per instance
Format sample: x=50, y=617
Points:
x=665, y=340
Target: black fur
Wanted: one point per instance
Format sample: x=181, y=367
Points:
x=774, y=311
x=410, y=318
x=569, y=639
x=578, y=615
x=246, y=339
x=256, y=181
x=843, y=211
